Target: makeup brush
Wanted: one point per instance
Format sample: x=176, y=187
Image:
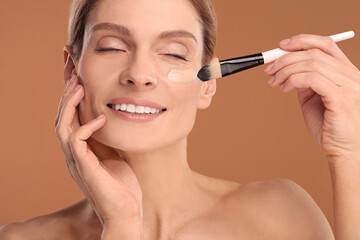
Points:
x=234, y=65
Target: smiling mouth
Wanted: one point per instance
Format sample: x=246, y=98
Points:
x=131, y=108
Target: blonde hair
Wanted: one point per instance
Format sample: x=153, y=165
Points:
x=80, y=9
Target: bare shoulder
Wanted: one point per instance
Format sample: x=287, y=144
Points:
x=35, y=228
x=63, y=224
x=281, y=208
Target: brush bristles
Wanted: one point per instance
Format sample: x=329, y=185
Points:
x=211, y=71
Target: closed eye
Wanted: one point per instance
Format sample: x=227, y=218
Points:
x=177, y=57
x=109, y=50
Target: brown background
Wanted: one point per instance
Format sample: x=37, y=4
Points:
x=251, y=132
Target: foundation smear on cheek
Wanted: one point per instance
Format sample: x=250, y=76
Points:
x=182, y=76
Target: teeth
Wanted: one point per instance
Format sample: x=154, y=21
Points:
x=133, y=108
x=140, y=109
x=117, y=107
x=130, y=108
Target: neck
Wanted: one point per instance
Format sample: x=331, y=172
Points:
x=166, y=180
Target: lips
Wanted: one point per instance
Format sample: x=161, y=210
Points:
x=135, y=110
x=137, y=102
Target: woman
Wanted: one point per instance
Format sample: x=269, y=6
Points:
x=120, y=52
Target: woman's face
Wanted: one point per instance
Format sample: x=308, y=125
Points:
x=129, y=48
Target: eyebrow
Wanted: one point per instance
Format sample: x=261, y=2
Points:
x=177, y=34
x=125, y=31
x=112, y=27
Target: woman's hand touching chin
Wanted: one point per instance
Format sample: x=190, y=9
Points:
x=328, y=87
x=106, y=180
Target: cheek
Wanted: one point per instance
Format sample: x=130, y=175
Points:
x=92, y=75
x=186, y=99
x=95, y=70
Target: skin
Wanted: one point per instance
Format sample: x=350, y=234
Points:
x=125, y=183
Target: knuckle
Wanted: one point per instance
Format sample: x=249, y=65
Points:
x=314, y=53
x=57, y=131
x=313, y=64
x=60, y=131
x=328, y=42
x=291, y=80
x=284, y=73
x=312, y=76
x=279, y=75
x=301, y=37
x=280, y=62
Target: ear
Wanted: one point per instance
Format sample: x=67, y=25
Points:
x=208, y=90
x=70, y=64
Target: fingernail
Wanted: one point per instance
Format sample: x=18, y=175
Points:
x=285, y=41
x=268, y=68
x=101, y=116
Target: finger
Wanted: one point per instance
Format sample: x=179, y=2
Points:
x=102, y=151
x=310, y=65
x=71, y=84
x=70, y=88
x=62, y=134
x=76, y=121
x=312, y=80
x=299, y=56
x=83, y=156
x=308, y=41
x=305, y=94
x=63, y=129
x=67, y=115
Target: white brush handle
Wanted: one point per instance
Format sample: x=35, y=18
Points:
x=272, y=55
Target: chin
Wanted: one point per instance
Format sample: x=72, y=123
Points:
x=128, y=142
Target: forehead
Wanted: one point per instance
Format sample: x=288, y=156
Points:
x=146, y=17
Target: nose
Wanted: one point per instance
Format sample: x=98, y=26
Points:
x=140, y=73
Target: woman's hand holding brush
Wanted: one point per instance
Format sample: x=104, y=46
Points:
x=328, y=87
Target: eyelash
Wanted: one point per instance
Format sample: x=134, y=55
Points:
x=177, y=57
x=120, y=50
x=109, y=50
